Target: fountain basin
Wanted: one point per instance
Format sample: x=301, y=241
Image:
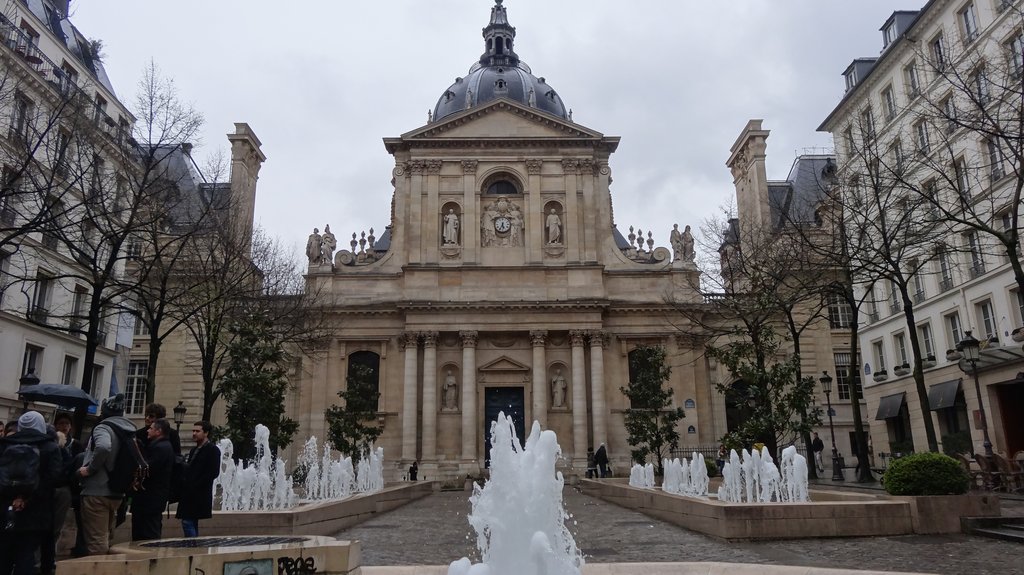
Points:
x=227, y=555
x=693, y=568
x=829, y=514
x=314, y=518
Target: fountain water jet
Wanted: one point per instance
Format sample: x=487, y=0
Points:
x=755, y=479
x=519, y=510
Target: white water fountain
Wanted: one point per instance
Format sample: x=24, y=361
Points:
x=263, y=484
x=686, y=479
x=755, y=479
x=518, y=514
x=642, y=476
x=326, y=477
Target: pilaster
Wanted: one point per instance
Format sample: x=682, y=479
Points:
x=538, y=339
x=598, y=408
x=470, y=213
x=410, y=345
x=429, y=396
x=469, y=418
x=579, y=399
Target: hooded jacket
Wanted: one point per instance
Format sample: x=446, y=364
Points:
x=38, y=512
x=101, y=454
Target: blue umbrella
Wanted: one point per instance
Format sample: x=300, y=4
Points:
x=62, y=395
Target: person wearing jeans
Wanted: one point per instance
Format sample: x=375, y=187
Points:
x=202, y=468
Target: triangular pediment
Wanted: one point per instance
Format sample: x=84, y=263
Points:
x=502, y=118
x=504, y=364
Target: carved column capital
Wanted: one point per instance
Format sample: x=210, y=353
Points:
x=533, y=166
x=433, y=167
x=400, y=169
x=603, y=169
x=577, y=337
x=570, y=165
x=587, y=166
x=598, y=338
x=409, y=339
x=469, y=338
x=429, y=338
x=538, y=337
x=469, y=166
x=416, y=166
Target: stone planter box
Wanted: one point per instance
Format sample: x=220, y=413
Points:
x=880, y=375
x=1017, y=335
x=901, y=370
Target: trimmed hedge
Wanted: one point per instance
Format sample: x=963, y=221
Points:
x=926, y=474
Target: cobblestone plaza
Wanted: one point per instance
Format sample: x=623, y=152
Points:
x=434, y=531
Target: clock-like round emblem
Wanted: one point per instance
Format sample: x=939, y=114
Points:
x=502, y=224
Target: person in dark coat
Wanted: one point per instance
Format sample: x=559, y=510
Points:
x=203, y=467
x=601, y=459
x=150, y=499
x=155, y=411
x=29, y=512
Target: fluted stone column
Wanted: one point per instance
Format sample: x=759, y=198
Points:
x=469, y=419
x=598, y=406
x=409, y=342
x=540, y=377
x=429, y=396
x=579, y=399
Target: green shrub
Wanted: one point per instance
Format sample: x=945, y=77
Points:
x=712, y=467
x=926, y=474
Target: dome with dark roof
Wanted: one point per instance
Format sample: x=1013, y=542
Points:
x=499, y=74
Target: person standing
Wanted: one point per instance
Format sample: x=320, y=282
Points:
x=150, y=499
x=28, y=501
x=99, y=502
x=155, y=411
x=414, y=470
x=203, y=467
x=601, y=459
x=817, y=446
x=723, y=453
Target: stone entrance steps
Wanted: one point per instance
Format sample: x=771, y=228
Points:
x=1004, y=528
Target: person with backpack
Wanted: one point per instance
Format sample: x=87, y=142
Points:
x=30, y=466
x=104, y=480
x=149, y=498
x=203, y=467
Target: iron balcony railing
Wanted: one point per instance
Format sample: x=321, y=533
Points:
x=25, y=48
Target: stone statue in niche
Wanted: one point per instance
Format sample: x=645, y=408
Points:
x=558, y=389
x=450, y=234
x=328, y=243
x=450, y=392
x=501, y=224
x=554, y=225
x=313, y=247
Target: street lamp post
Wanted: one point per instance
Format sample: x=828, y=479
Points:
x=30, y=378
x=179, y=415
x=837, y=466
x=971, y=348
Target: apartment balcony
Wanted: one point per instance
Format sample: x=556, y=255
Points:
x=919, y=297
x=872, y=317
x=7, y=217
x=101, y=338
x=39, y=314
x=895, y=308
x=945, y=284
x=977, y=270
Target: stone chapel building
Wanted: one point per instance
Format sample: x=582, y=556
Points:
x=502, y=284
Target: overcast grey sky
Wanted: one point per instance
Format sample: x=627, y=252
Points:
x=322, y=82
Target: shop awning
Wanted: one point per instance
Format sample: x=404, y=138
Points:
x=943, y=395
x=890, y=406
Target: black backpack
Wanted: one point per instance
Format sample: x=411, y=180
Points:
x=19, y=469
x=130, y=467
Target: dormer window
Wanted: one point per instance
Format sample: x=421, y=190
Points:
x=851, y=79
x=501, y=85
x=889, y=34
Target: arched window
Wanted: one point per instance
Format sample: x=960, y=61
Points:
x=366, y=364
x=502, y=187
